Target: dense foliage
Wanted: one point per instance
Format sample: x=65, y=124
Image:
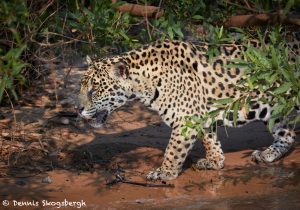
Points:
x=32, y=31
x=269, y=69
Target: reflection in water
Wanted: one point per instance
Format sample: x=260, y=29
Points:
x=278, y=176
x=279, y=201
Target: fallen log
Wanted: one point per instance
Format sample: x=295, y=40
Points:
x=140, y=10
x=260, y=19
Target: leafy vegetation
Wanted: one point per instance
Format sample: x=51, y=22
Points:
x=32, y=31
x=270, y=70
x=11, y=64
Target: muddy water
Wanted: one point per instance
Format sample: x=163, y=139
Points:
x=238, y=186
x=279, y=201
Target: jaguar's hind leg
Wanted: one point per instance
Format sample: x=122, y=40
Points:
x=283, y=141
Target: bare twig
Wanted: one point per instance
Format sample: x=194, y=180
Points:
x=159, y=5
x=242, y=7
x=121, y=179
x=66, y=77
x=43, y=59
x=247, y=4
x=53, y=13
x=7, y=42
x=13, y=110
x=147, y=23
x=65, y=20
x=43, y=9
x=61, y=42
x=52, y=44
x=41, y=144
x=67, y=37
x=149, y=185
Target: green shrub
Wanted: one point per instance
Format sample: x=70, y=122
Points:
x=30, y=29
x=13, y=16
x=267, y=69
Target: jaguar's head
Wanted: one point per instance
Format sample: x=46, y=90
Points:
x=104, y=88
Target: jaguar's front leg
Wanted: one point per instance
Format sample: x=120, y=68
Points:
x=214, y=158
x=175, y=155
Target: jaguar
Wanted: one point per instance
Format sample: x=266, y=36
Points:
x=177, y=79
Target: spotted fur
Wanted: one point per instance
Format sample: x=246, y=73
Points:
x=176, y=79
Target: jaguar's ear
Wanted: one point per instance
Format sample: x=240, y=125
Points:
x=88, y=60
x=121, y=70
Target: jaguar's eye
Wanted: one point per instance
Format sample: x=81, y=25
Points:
x=90, y=93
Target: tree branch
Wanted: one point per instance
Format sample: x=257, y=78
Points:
x=260, y=19
x=140, y=10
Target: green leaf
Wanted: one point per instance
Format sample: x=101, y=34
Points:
x=124, y=35
x=288, y=6
x=198, y=17
x=196, y=119
x=250, y=83
x=247, y=104
x=223, y=101
x=184, y=132
x=170, y=32
x=17, y=36
x=220, y=34
x=189, y=124
x=17, y=69
x=295, y=120
x=3, y=82
x=275, y=61
x=283, y=88
x=214, y=113
x=178, y=31
x=272, y=78
x=237, y=65
x=277, y=110
x=236, y=106
x=271, y=124
x=287, y=75
x=13, y=92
